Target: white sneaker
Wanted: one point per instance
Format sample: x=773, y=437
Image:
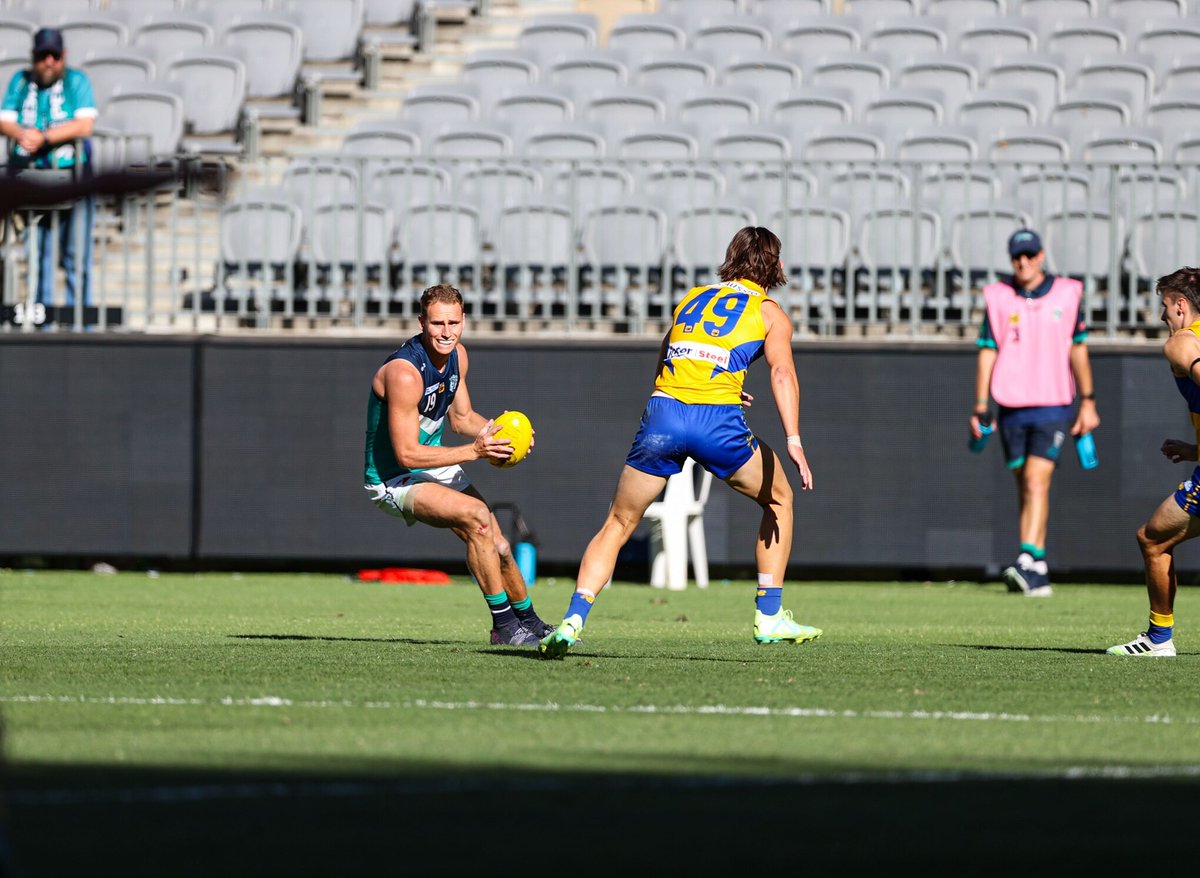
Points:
x=1141, y=646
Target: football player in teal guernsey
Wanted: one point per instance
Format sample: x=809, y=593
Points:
x=47, y=109
x=417, y=391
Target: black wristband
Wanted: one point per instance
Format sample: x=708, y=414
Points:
x=1090, y=396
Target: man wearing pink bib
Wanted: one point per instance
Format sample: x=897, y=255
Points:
x=1032, y=357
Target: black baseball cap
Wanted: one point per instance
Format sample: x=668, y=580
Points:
x=1024, y=242
x=48, y=40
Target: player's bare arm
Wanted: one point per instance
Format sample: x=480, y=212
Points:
x=400, y=385
x=984, y=365
x=785, y=385
x=1088, y=417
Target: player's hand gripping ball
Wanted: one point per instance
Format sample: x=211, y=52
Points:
x=514, y=427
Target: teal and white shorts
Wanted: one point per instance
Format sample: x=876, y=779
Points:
x=395, y=496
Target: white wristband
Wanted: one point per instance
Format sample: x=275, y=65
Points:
x=795, y=440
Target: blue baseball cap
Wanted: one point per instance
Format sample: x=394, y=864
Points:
x=48, y=40
x=1024, y=242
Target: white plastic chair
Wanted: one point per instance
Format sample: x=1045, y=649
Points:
x=678, y=530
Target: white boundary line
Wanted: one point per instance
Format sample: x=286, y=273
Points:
x=275, y=701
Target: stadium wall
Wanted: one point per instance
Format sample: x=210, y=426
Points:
x=220, y=451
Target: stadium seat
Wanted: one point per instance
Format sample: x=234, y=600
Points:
x=272, y=50
x=1161, y=241
x=152, y=119
x=587, y=72
x=682, y=186
x=1051, y=9
x=844, y=143
x=1132, y=71
x=699, y=236
x=658, y=143
x=677, y=530
x=816, y=242
x=770, y=74
x=534, y=246
x=577, y=140
x=816, y=106
x=583, y=187
x=1181, y=74
x=1081, y=37
x=936, y=143
x=647, y=32
x=908, y=36
x=955, y=73
x=874, y=9
x=1174, y=110
x=1047, y=189
x=695, y=9
x=472, y=140
x=677, y=73
x=169, y=38
x=492, y=187
x=440, y=242
x=404, y=184
x=331, y=27
x=1124, y=144
x=947, y=188
x=898, y=247
x=213, y=86
x=375, y=144
x=812, y=35
x=123, y=69
x=390, y=13
x=1148, y=189
x=730, y=36
x=16, y=36
x=979, y=240
x=1086, y=107
x=904, y=107
x=534, y=106
x=965, y=10
x=992, y=38
x=259, y=236
x=492, y=72
x=88, y=36
x=771, y=190
x=624, y=246
x=624, y=108
x=317, y=183
x=1085, y=242
x=869, y=187
x=1001, y=107
x=1143, y=10
x=783, y=12
x=720, y=106
x=865, y=73
x=351, y=235
x=434, y=106
x=1167, y=41
x=550, y=35
x=1035, y=143
x=764, y=143
x=1043, y=73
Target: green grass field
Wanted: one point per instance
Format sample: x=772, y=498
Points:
x=314, y=725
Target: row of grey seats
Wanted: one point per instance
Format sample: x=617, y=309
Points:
x=1062, y=30
x=525, y=225
x=784, y=8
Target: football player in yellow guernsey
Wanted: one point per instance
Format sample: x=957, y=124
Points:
x=1177, y=519
x=696, y=411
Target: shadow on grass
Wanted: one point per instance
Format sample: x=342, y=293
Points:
x=409, y=640
x=425, y=818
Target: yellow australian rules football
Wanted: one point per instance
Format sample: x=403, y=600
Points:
x=515, y=427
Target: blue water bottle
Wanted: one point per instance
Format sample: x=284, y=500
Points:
x=526, y=555
x=1085, y=447
x=986, y=428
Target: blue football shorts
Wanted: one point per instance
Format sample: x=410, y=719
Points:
x=1187, y=495
x=716, y=436
x=1040, y=439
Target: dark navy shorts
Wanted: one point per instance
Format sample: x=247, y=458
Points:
x=716, y=436
x=1039, y=439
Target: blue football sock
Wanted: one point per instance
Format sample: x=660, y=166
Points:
x=581, y=605
x=1159, y=633
x=768, y=600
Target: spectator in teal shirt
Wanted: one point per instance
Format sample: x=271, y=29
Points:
x=47, y=113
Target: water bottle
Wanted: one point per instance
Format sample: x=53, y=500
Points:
x=526, y=555
x=986, y=428
x=1085, y=447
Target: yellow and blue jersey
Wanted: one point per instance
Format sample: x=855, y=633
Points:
x=1189, y=389
x=717, y=333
